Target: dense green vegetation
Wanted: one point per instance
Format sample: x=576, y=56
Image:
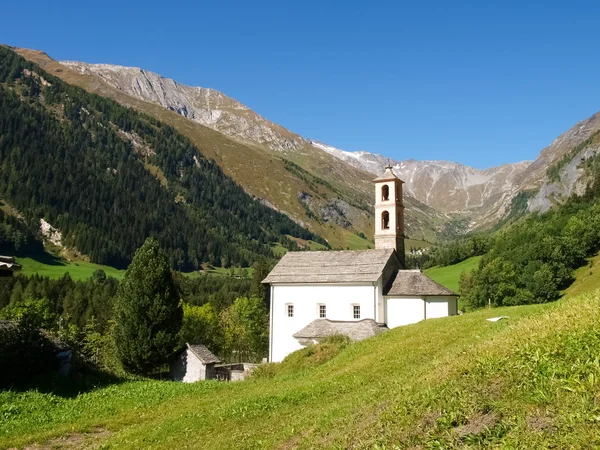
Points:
x=148, y=313
x=530, y=381
x=533, y=260
x=108, y=177
x=456, y=251
x=225, y=313
x=17, y=237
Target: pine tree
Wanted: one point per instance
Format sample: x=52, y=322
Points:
x=148, y=311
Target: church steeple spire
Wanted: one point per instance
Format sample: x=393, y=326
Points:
x=389, y=212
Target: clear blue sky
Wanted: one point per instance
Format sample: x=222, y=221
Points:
x=481, y=83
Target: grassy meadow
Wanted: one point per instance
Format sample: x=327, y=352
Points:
x=530, y=381
x=53, y=267
x=448, y=276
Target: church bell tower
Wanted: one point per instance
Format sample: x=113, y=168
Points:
x=389, y=213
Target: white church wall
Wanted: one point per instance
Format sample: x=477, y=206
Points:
x=338, y=299
x=404, y=311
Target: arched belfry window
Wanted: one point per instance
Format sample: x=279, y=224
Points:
x=385, y=220
x=385, y=192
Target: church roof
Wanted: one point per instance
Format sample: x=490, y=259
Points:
x=388, y=175
x=330, y=267
x=414, y=282
x=356, y=330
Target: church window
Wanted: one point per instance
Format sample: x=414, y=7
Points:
x=290, y=310
x=322, y=311
x=385, y=192
x=385, y=220
x=356, y=311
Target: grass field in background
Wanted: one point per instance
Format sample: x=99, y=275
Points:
x=448, y=276
x=53, y=267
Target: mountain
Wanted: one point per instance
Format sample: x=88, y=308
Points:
x=333, y=200
x=207, y=107
x=485, y=196
x=304, y=178
x=106, y=177
x=446, y=186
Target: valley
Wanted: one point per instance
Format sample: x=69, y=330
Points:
x=168, y=206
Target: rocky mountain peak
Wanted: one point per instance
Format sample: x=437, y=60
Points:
x=205, y=106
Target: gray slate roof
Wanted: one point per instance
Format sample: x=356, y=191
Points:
x=8, y=263
x=203, y=354
x=330, y=267
x=414, y=282
x=356, y=330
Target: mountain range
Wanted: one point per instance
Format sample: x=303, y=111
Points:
x=329, y=190
x=448, y=187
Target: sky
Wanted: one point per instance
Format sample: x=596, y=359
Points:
x=481, y=83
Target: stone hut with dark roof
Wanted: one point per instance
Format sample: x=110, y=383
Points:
x=355, y=293
x=193, y=363
x=8, y=266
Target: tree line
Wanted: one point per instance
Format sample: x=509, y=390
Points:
x=132, y=326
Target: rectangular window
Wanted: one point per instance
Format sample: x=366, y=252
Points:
x=290, y=310
x=356, y=311
x=322, y=311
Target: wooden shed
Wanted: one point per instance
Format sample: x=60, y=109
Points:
x=193, y=363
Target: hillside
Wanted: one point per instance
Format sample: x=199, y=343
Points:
x=333, y=200
x=448, y=276
x=529, y=381
x=106, y=177
x=445, y=186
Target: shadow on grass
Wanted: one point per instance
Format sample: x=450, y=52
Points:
x=66, y=386
x=46, y=258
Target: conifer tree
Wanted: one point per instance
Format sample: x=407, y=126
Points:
x=148, y=311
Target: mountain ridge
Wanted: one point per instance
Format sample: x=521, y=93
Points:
x=443, y=191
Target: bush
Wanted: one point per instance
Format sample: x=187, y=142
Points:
x=24, y=352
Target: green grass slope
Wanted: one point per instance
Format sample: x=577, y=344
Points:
x=448, y=276
x=587, y=278
x=531, y=381
x=56, y=268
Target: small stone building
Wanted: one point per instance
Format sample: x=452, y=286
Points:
x=193, y=363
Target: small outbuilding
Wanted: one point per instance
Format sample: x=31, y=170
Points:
x=8, y=265
x=193, y=363
x=320, y=329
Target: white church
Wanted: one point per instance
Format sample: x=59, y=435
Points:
x=358, y=293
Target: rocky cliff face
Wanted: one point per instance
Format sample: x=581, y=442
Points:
x=446, y=186
x=485, y=195
x=208, y=107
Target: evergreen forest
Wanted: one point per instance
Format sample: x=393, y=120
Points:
x=108, y=177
